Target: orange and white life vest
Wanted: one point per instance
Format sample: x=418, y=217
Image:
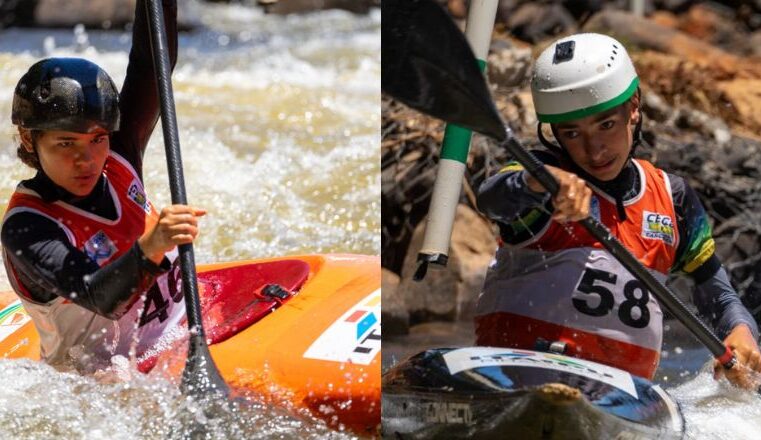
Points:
x=561, y=285
x=72, y=335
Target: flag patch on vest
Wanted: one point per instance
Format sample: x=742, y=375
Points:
x=137, y=195
x=100, y=248
x=657, y=227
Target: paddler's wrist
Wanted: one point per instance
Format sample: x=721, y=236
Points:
x=149, y=251
x=532, y=184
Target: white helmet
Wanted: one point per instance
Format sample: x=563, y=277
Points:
x=581, y=75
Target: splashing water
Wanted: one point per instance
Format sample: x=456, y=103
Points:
x=146, y=407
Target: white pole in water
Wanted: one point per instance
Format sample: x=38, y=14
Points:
x=454, y=153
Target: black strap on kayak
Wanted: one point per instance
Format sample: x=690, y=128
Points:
x=429, y=66
x=201, y=376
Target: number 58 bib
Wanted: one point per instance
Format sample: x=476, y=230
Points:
x=582, y=296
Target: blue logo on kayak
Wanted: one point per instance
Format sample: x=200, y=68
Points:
x=365, y=324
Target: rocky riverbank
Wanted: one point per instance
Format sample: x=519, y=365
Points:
x=115, y=14
x=701, y=81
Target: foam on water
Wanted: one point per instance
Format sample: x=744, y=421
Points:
x=40, y=402
x=716, y=410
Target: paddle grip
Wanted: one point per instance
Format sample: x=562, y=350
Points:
x=668, y=299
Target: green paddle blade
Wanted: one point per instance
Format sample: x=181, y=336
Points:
x=428, y=65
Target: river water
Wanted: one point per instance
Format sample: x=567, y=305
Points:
x=279, y=125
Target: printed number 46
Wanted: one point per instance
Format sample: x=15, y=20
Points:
x=596, y=284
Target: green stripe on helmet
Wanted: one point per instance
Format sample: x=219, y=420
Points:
x=597, y=108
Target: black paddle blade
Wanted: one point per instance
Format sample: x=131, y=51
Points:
x=428, y=64
x=201, y=378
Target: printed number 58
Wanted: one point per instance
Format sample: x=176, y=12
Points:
x=596, y=284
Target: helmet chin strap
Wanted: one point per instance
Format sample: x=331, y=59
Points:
x=616, y=187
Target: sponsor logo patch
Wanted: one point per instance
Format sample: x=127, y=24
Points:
x=100, y=248
x=136, y=194
x=354, y=337
x=657, y=227
x=476, y=357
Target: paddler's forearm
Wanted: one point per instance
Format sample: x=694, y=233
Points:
x=505, y=196
x=113, y=288
x=48, y=265
x=718, y=301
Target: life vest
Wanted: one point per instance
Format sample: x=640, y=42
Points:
x=561, y=285
x=71, y=335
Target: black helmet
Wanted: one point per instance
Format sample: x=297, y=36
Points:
x=69, y=94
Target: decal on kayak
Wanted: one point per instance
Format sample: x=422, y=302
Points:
x=475, y=357
x=12, y=318
x=448, y=412
x=354, y=337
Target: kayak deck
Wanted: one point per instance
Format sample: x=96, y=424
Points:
x=485, y=392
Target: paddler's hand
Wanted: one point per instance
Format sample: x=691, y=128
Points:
x=742, y=343
x=573, y=198
x=178, y=224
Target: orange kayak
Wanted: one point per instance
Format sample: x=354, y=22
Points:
x=301, y=330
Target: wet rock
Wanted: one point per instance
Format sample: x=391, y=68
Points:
x=282, y=7
x=740, y=101
x=536, y=21
x=17, y=12
x=754, y=44
x=105, y=14
x=457, y=8
x=638, y=32
x=655, y=107
x=508, y=65
x=674, y=5
x=394, y=317
x=526, y=111
x=665, y=18
x=706, y=124
x=450, y=293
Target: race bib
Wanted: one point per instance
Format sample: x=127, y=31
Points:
x=583, y=288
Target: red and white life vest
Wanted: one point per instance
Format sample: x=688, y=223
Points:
x=71, y=335
x=561, y=285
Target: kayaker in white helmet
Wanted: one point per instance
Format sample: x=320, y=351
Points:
x=552, y=284
x=81, y=242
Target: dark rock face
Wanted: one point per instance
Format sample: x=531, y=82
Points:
x=104, y=14
x=297, y=6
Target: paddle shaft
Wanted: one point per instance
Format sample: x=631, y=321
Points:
x=199, y=360
x=668, y=299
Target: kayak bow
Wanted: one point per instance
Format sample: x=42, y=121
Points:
x=486, y=392
x=301, y=330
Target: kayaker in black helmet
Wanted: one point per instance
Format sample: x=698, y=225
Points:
x=81, y=242
x=552, y=281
